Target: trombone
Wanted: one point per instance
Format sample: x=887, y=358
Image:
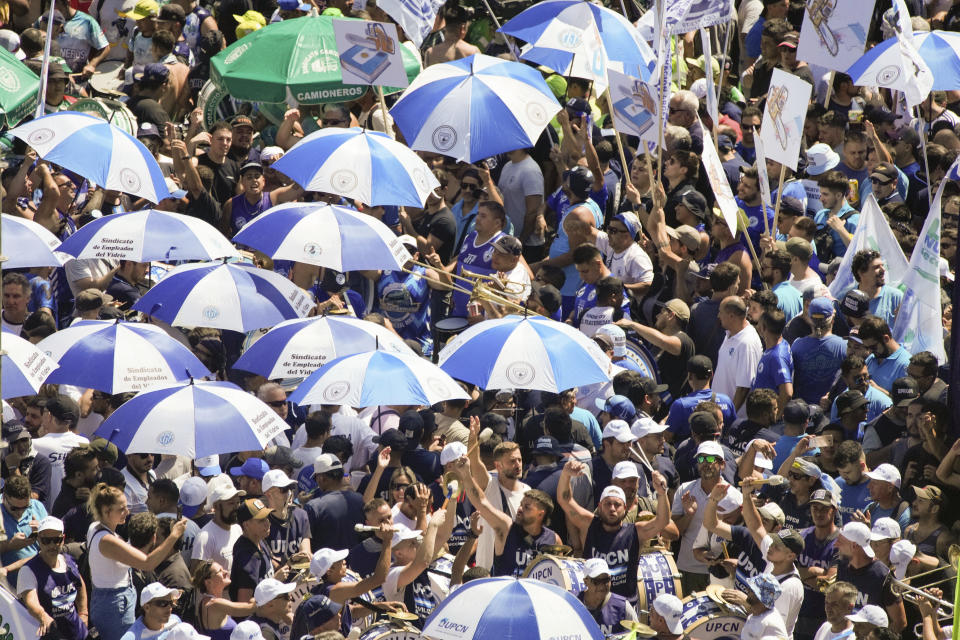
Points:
x=480, y=291
x=914, y=595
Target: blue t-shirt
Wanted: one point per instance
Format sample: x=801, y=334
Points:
x=783, y=447
x=561, y=244
x=590, y=421
x=678, y=420
x=754, y=215
x=876, y=513
x=853, y=497
x=886, y=304
x=752, y=40
x=877, y=403
x=789, y=300
x=816, y=362
x=775, y=367
x=884, y=372
x=138, y=631
x=34, y=511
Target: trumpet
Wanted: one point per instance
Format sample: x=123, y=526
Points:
x=914, y=595
x=825, y=583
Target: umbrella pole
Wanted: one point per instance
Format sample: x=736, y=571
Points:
x=41, y=103
x=510, y=45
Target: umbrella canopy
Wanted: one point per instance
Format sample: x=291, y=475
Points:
x=294, y=61
x=362, y=165
x=475, y=108
x=19, y=89
x=378, y=378
x=27, y=244
x=882, y=65
x=510, y=609
x=119, y=356
x=148, y=235
x=324, y=235
x=237, y=297
x=558, y=33
x=95, y=149
x=519, y=352
x=193, y=420
x=297, y=348
x=23, y=367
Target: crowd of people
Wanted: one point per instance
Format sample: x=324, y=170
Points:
x=771, y=442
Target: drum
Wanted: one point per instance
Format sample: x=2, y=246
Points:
x=566, y=573
x=449, y=327
x=114, y=112
x=638, y=353
x=656, y=573
x=704, y=619
x=390, y=631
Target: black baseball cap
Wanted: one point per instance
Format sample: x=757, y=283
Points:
x=797, y=411
x=700, y=366
x=703, y=423
x=64, y=409
x=650, y=386
x=850, y=400
x=791, y=540
x=855, y=304
x=392, y=438
x=904, y=391
x=14, y=430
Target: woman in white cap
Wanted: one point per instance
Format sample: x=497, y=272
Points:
x=51, y=587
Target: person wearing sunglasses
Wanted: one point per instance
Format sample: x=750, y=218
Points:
x=274, y=613
x=51, y=587
x=607, y=608
x=157, y=602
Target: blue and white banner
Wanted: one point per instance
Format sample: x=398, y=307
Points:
x=873, y=232
x=15, y=620
x=683, y=16
x=416, y=17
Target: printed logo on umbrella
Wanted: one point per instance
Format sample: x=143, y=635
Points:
x=312, y=249
x=166, y=438
x=336, y=391
x=41, y=136
x=211, y=312
x=236, y=53
x=9, y=80
x=520, y=373
x=444, y=137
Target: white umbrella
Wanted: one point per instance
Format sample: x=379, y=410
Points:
x=27, y=244
x=24, y=367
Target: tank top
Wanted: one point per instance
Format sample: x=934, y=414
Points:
x=405, y=300
x=281, y=630
x=223, y=632
x=57, y=593
x=242, y=212
x=519, y=549
x=473, y=259
x=419, y=598
x=610, y=614
x=621, y=550
x=104, y=572
x=929, y=544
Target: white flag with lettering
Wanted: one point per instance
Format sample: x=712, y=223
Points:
x=873, y=232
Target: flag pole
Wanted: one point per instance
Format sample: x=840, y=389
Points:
x=616, y=136
x=776, y=209
x=723, y=60
x=926, y=163
x=826, y=99
x=41, y=104
x=506, y=38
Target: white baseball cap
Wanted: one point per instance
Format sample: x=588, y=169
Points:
x=596, y=567
x=184, y=631
x=402, y=532
x=885, y=529
x=871, y=614
x=645, y=427
x=887, y=473
x=710, y=448
x=246, y=630
x=617, y=336
x=452, y=451
x=325, y=558
x=208, y=466
x=223, y=491
x=612, y=491
x=901, y=553
x=269, y=589
x=671, y=608
x=156, y=590
x=326, y=462
x=732, y=501
x=51, y=524
x=193, y=494
x=624, y=470
x=276, y=478
x=858, y=534
x=618, y=429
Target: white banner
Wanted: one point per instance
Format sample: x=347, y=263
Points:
x=834, y=34
x=873, y=232
x=684, y=16
x=415, y=17
x=369, y=53
x=718, y=181
x=783, y=116
x=634, y=106
x=15, y=621
x=712, y=107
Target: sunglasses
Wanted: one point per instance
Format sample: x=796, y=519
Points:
x=707, y=458
x=331, y=121
x=162, y=603
x=49, y=540
x=878, y=181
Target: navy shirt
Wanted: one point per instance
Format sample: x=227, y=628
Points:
x=738, y=436
x=679, y=417
x=816, y=363
x=332, y=516
x=286, y=535
x=251, y=564
x=873, y=583
x=750, y=560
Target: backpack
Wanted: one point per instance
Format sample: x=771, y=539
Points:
x=823, y=236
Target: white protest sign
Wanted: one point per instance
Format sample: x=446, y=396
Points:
x=15, y=620
x=369, y=53
x=812, y=187
x=783, y=116
x=834, y=34
x=718, y=181
x=415, y=17
x=634, y=106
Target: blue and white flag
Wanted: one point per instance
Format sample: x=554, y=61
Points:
x=416, y=17
x=683, y=16
x=15, y=620
x=873, y=232
x=917, y=78
x=919, y=323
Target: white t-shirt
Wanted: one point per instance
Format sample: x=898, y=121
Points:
x=825, y=632
x=517, y=181
x=94, y=268
x=685, y=560
x=737, y=361
x=497, y=495
x=307, y=455
x=768, y=623
x=791, y=595
x=345, y=423
x=400, y=518
x=631, y=265
x=714, y=545
x=136, y=491
x=215, y=543
x=55, y=447
x=9, y=327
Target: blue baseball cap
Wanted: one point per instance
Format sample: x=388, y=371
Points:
x=617, y=406
x=252, y=468
x=293, y=5
x=821, y=307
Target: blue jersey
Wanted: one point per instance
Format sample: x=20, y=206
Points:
x=473, y=259
x=404, y=299
x=775, y=368
x=242, y=212
x=789, y=300
x=754, y=215
x=853, y=497
x=816, y=362
x=849, y=223
x=884, y=372
x=561, y=244
x=678, y=420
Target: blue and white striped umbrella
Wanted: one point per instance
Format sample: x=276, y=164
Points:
x=510, y=609
x=28, y=244
x=475, y=108
x=95, y=149
x=325, y=235
x=119, y=356
x=378, y=378
x=359, y=164
x=238, y=297
x=881, y=66
x=519, y=352
x=23, y=367
x=297, y=348
x=148, y=235
x=194, y=420
x=558, y=33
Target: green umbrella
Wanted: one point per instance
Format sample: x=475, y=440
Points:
x=292, y=61
x=18, y=89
